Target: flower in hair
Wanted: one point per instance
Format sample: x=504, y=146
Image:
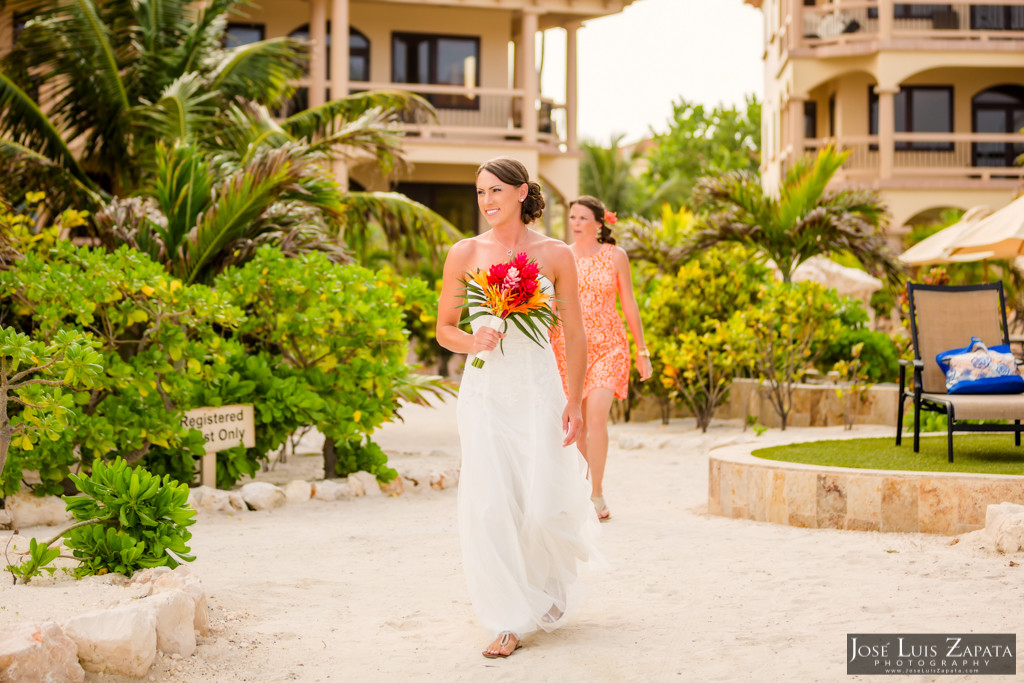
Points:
x=610, y=218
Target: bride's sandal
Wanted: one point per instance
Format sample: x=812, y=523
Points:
x=503, y=649
x=603, y=513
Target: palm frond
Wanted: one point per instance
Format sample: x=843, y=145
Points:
x=26, y=169
x=24, y=124
x=263, y=71
x=325, y=120
x=391, y=221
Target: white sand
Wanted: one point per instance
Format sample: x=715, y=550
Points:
x=371, y=589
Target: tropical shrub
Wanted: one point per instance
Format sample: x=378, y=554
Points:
x=695, y=356
x=788, y=330
x=127, y=519
x=34, y=408
x=159, y=339
x=339, y=332
x=879, y=357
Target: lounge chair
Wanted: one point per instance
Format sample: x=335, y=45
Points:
x=943, y=318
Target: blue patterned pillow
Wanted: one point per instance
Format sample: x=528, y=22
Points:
x=976, y=369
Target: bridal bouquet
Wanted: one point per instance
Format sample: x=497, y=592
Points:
x=509, y=291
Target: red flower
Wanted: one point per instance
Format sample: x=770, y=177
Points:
x=610, y=218
x=497, y=273
x=520, y=261
x=529, y=271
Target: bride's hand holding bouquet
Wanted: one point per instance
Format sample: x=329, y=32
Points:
x=509, y=291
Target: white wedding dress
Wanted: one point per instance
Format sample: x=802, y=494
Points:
x=526, y=522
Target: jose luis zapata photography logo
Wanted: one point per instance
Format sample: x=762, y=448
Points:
x=931, y=654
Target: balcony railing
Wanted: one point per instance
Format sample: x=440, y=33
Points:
x=467, y=113
x=858, y=21
x=965, y=156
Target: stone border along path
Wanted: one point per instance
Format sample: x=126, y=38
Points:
x=172, y=606
x=121, y=640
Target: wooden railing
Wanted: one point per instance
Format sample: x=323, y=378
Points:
x=930, y=155
x=857, y=21
x=469, y=112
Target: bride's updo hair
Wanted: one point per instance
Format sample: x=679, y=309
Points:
x=604, y=236
x=512, y=172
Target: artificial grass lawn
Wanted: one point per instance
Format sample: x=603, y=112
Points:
x=978, y=453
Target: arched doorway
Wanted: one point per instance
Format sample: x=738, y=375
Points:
x=997, y=110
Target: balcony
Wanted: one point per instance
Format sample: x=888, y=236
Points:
x=932, y=160
x=465, y=114
x=865, y=23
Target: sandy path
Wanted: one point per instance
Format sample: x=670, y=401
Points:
x=371, y=589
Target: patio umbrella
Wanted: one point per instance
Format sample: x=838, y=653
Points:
x=847, y=281
x=1000, y=236
x=937, y=249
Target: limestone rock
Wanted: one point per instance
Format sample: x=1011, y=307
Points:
x=1004, y=527
x=184, y=580
x=629, y=443
x=6, y=522
x=38, y=653
x=121, y=640
x=148, y=576
x=298, y=491
x=261, y=495
x=395, y=487
x=332, y=489
x=209, y=499
x=369, y=483
x=444, y=480
x=27, y=510
x=174, y=611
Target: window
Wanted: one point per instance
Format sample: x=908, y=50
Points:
x=997, y=18
x=243, y=34
x=918, y=109
x=437, y=60
x=913, y=11
x=997, y=110
x=810, y=120
x=358, y=51
x=456, y=203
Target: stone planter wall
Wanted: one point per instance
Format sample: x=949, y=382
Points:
x=746, y=487
x=814, y=405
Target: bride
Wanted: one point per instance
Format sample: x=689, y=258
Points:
x=525, y=519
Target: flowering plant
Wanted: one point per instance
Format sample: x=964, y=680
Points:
x=610, y=218
x=510, y=291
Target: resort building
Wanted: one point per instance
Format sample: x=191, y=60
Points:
x=928, y=98
x=476, y=61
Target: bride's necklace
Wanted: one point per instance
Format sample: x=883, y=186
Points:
x=508, y=251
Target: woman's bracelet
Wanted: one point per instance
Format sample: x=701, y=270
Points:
x=644, y=352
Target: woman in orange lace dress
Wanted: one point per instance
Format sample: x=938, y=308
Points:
x=603, y=273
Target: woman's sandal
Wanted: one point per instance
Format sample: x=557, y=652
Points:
x=603, y=513
x=503, y=642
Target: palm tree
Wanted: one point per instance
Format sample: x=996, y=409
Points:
x=609, y=173
x=106, y=102
x=805, y=219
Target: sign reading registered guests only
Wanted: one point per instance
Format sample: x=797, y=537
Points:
x=223, y=427
x=931, y=654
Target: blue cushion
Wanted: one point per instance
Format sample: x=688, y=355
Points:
x=977, y=369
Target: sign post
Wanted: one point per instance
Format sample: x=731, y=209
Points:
x=223, y=427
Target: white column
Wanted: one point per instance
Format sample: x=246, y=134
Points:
x=886, y=129
x=339, y=49
x=571, y=86
x=317, y=52
x=529, y=79
x=885, y=20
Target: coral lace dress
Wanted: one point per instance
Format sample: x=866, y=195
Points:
x=607, y=346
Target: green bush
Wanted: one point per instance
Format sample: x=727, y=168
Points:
x=696, y=356
x=879, y=356
x=128, y=519
x=34, y=408
x=334, y=345
x=159, y=341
